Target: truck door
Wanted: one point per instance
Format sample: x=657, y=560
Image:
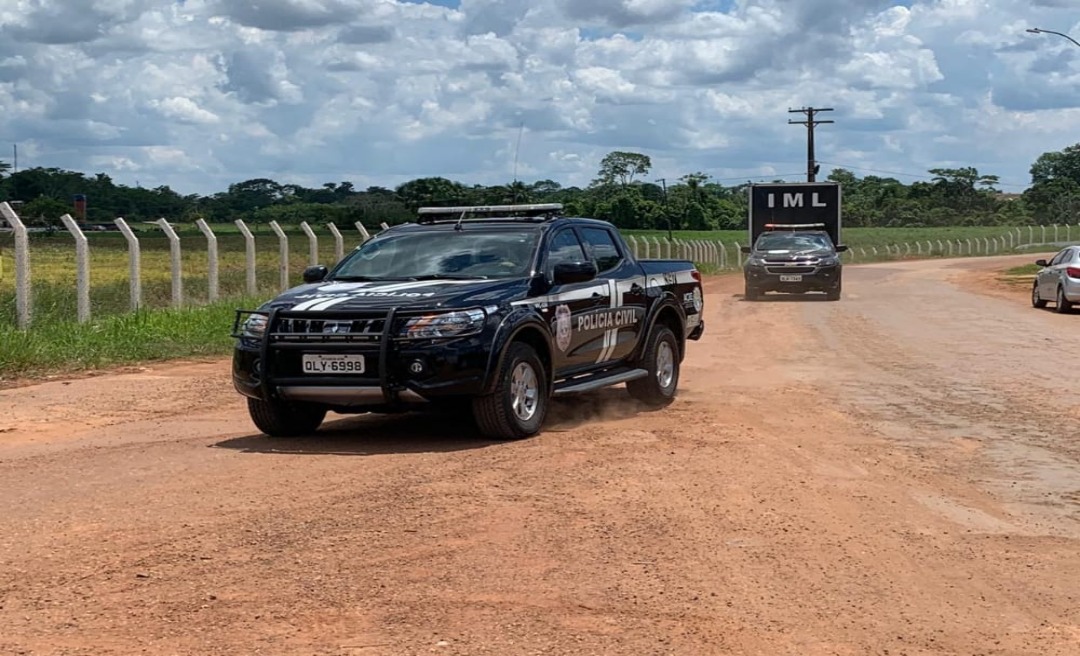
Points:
x=571, y=305
x=614, y=326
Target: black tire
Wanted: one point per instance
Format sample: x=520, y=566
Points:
x=507, y=414
x=751, y=293
x=285, y=418
x=1036, y=300
x=1062, y=306
x=658, y=389
x=834, y=293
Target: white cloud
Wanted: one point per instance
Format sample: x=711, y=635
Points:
x=198, y=94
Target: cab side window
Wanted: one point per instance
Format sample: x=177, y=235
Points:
x=1060, y=257
x=564, y=248
x=603, y=248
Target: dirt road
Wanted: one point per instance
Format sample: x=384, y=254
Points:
x=896, y=473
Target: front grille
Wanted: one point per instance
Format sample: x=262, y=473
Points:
x=790, y=269
x=308, y=330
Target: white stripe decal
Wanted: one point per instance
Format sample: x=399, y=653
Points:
x=611, y=337
x=308, y=303
x=325, y=304
x=563, y=297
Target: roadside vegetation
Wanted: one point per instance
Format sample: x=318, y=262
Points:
x=879, y=212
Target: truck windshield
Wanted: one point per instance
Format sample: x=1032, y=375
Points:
x=443, y=254
x=790, y=242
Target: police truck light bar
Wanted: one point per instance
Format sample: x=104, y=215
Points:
x=794, y=226
x=492, y=209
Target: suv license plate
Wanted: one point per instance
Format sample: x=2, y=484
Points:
x=322, y=363
x=792, y=278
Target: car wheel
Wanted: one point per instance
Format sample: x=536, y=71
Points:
x=517, y=407
x=751, y=293
x=284, y=418
x=1036, y=300
x=661, y=360
x=834, y=293
x=1063, y=305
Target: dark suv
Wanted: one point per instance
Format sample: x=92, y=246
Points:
x=793, y=261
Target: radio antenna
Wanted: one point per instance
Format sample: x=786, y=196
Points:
x=517, y=149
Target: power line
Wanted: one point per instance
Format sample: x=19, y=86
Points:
x=810, y=123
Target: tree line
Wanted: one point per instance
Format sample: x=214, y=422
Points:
x=620, y=193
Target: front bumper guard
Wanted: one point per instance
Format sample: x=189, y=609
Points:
x=336, y=391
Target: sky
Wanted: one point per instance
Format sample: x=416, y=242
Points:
x=200, y=94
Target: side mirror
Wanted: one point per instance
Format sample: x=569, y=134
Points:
x=1042, y=263
x=315, y=273
x=842, y=248
x=746, y=249
x=566, y=273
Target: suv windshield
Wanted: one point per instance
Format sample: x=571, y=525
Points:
x=443, y=254
x=793, y=242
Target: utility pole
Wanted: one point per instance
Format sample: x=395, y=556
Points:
x=663, y=181
x=811, y=164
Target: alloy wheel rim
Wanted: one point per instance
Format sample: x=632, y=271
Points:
x=524, y=391
x=665, y=365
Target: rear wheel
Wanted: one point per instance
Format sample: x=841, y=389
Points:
x=661, y=360
x=1036, y=300
x=519, y=403
x=1063, y=304
x=285, y=418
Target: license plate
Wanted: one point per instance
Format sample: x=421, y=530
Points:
x=791, y=278
x=323, y=363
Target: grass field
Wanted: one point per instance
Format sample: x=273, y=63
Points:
x=116, y=335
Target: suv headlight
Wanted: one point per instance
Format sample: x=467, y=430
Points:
x=832, y=260
x=254, y=325
x=756, y=260
x=447, y=324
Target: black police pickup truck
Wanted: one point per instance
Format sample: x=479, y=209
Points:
x=498, y=307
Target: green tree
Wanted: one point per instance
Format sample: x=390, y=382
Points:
x=621, y=167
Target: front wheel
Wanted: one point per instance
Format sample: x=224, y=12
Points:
x=661, y=360
x=517, y=407
x=1036, y=300
x=1063, y=304
x=834, y=293
x=284, y=418
x=751, y=293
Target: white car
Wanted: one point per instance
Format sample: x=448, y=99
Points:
x=1059, y=279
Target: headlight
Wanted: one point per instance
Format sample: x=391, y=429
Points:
x=254, y=325
x=449, y=324
x=829, y=261
x=756, y=261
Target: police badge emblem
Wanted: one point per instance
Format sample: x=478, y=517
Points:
x=562, y=327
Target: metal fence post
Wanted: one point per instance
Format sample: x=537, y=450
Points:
x=134, y=257
x=82, y=269
x=384, y=226
x=633, y=246
x=211, y=261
